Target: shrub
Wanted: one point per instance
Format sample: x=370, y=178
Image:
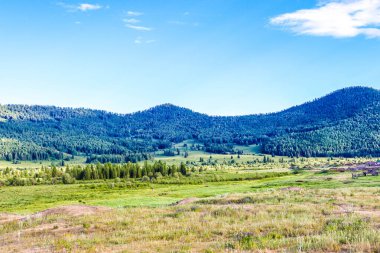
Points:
x=157, y=175
x=246, y=241
x=67, y=179
x=145, y=179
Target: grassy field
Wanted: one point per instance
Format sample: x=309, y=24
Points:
x=108, y=193
x=226, y=208
x=250, y=153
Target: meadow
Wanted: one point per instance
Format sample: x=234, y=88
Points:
x=254, y=204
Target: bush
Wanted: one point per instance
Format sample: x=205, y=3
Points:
x=145, y=179
x=157, y=175
x=67, y=179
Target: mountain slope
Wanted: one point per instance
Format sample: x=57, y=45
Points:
x=351, y=127
x=344, y=123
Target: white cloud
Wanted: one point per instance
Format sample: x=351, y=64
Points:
x=89, y=7
x=134, y=13
x=80, y=7
x=339, y=18
x=139, y=28
x=131, y=20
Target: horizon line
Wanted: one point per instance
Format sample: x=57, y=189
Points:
x=182, y=107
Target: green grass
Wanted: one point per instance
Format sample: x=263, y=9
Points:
x=251, y=153
x=229, y=218
x=28, y=199
x=241, y=177
x=236, y=211
x=250, y=149
x=35, y=198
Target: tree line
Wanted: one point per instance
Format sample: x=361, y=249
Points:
x=70, y=174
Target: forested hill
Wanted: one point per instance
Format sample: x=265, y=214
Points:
x=343, y=123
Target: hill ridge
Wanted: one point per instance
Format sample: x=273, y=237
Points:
x=342, y=123
x=171, y=105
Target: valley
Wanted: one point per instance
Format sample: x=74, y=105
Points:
x=172, y=180
x=256, y=203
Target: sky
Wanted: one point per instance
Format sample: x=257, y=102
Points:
x=220, y=57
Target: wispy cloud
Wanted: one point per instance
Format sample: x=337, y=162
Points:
x=134, y=13
x=80, y=7
x=131, y=20
x=335, y=18
x=139, y=28
x=89, y=7
x=140, y=40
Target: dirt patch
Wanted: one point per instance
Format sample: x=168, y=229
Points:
x=346, y=208
x=8, y=217
x=185, y=201
x=71, y=210
x=53, y=228
x=295, y=189
x=369, y=213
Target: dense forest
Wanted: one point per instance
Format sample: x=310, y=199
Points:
x=343, y=123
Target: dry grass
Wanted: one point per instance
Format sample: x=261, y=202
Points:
x=306, y=220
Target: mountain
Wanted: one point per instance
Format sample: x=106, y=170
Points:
x=343, y=123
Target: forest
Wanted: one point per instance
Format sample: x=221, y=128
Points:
x=344, y=123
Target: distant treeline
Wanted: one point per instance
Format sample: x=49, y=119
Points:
x=69, y=174
x=128, y=170
x=119, y=158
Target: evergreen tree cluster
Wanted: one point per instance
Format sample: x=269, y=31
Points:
x=127, y=170
x=70, y=174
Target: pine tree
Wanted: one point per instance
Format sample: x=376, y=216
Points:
x=54, y=171
x=183, y=169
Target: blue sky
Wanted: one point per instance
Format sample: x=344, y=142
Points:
x=221, y=57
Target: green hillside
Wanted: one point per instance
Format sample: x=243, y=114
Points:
x=343, y=123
